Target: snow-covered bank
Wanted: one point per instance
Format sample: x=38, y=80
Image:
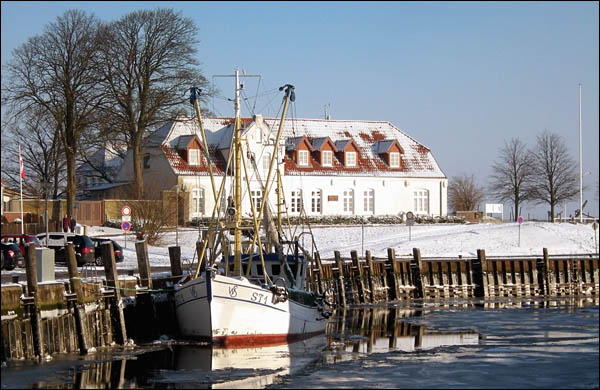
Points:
x=432, y=240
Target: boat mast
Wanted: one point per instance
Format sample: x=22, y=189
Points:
x=237, y=145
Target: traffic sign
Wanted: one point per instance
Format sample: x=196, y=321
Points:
x=520, y=220
x=126, y=210
x=126, y=218
x=410, y=218
x=125, y=226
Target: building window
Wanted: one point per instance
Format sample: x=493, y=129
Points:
x=197, y=202
x=266, y=163
x=349, y=201
x=146, y=161
x=256, y=199
x=421, y=201
x=350, y=159
x=194, y=157
x=315, y=205
x=369, y=201
x=296, y=201
x=303, y=157
x=326, y=158
x=395, y=160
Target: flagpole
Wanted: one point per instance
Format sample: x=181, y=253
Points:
x=21, y=185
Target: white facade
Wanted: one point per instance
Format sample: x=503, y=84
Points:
x=366, y=186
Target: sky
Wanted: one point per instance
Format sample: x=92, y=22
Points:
x=459, y=77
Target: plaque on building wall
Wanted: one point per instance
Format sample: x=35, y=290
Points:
x=332, y=198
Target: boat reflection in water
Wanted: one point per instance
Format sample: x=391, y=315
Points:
x=350, y=335
x=191, y=366
x=248, y=367
x=380, y=330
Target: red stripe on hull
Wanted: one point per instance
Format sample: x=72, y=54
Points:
x=259, y=340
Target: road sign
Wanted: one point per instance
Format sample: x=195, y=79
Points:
x=520, y=220
x=410, y=218
x=125, y=226
x=126, y=218
x=126, y=210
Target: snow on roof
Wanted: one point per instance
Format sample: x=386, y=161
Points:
x=416, y=159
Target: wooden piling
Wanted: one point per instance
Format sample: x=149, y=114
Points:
x=549, y=277
x=175, y=259
x=76, y=288
x=371, y=274
x=358, y=278
x=480, y=277
x=391, y=277
x=32, y=288
x=340, y=285
x=416, y=266
x=141, y=250
x=112, y=281
x=321, y=276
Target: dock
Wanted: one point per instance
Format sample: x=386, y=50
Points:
x=81, y=314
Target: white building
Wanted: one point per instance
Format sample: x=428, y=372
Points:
x=332, y=167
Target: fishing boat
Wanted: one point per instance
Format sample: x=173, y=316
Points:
x=250, y=286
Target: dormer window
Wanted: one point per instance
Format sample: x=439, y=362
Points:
x=394, y=160
x=194, y=157
x=350, y=159
x=303, y=158
x=326, y=158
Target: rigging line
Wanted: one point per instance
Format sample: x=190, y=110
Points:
x=246, y=103
x=256, y=97
x=270, y=102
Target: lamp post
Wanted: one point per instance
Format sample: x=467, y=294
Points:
x=580, y=166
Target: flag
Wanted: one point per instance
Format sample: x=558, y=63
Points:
x=21, y=167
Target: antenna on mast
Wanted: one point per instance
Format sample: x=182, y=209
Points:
x=326, y=113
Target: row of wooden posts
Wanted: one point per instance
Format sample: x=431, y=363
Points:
x=372, y=280
x=30, y=335
x=345, y=282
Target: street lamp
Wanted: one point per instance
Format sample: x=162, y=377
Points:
x=580, y=166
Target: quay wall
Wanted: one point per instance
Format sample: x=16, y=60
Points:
x=83, y=314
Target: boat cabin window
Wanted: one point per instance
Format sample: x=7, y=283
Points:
x=275, y=269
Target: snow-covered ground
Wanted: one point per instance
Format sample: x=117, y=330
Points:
x=441, y=240
x=433, y=240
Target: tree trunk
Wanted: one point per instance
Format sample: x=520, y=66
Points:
x=71, y=184
x=138, y=180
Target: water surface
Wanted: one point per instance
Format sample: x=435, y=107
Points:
x=464, y=344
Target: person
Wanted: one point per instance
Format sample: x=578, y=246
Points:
x=66, y=223
x=72, y=224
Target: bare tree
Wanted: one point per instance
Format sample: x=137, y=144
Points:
x=149, y=65
x=555, y=179
x=56, y=72
x=511, y=174
x=41, y=149
x=464, y=193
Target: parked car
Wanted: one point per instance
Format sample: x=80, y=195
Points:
x=21, y=240
x=84, y=247
x=98, y=249
x=11, y=256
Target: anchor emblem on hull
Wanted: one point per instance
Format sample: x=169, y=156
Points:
x=233, y=291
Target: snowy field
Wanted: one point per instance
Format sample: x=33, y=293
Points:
x=433, y=240
x=441, y=240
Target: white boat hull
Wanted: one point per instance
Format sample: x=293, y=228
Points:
x=233, y=311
